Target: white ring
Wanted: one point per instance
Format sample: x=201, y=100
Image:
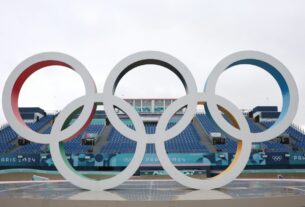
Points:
x=19, y=75
x=143, y=58
x=281, y=75
x=222, y=179
x=67, y=171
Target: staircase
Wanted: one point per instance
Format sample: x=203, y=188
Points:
x=204, y=137
x=101, y=139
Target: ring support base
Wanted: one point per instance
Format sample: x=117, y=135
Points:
x=158, y=193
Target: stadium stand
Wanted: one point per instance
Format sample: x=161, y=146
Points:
x=185, y=142
x=293, y=132
x=42, y=122
x=76, y=145
x=7, y=136
x=253, y=126
x=29, y=149
x=188, y=141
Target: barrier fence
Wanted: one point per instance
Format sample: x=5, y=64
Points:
x=122, y=160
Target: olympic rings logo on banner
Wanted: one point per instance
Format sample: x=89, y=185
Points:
x=215, y=107
x=277, y=158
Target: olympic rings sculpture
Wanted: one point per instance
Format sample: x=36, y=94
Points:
x=215, y=107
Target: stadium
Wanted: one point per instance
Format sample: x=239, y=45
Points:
x=275, y=168
x=152, y=103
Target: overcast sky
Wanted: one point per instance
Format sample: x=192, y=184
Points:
x=199, y=33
